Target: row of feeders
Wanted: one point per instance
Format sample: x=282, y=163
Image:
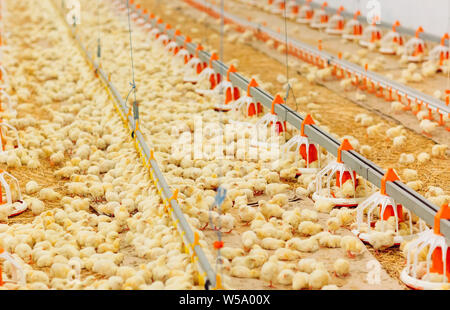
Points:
x=370, y=36
x=10, y=194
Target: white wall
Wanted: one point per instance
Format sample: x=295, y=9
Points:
x=432, y=15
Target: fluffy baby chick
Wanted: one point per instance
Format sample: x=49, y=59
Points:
x=285, y=277
x=105, y=267
x=406, y=158
x=333, y=224
x=308, y=245
x=249, y=239
x=328, y=240
x=423, y=157
x=323, y=205
x=271, y=243
x=32, y=187
x=381, y=240
x=300, y=281
x=270, y=210
x=410, y=175
x=37, y=206
x=284, y=254
x=309, y=215
x=439, y=150
x=341, y=267
x=49, y=194
x=276, y=188
x=309, y=228
x=318, y=279
x=244, y=272
x=279, y=199
x=57, y=158
x=352, y=245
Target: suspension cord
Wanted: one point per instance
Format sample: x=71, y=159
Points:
x=448, y=60
x=99, y=50
x=222, y=98
x=205, y=26
x=289, y=88
x=133, y=83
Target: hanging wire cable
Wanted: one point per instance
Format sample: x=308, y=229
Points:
x=448, y=30
x=99, y=28
x=133, y=83
x=205, y=27
x=289, y=88
x=221, y=192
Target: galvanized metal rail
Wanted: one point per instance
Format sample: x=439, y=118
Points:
x=403, y=30
x=364, y=167
x=295, y=46
x=189, y=238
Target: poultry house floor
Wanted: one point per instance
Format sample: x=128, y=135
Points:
x=45, y=174
x=254, y=59
x=360, y=266
x=258, y=62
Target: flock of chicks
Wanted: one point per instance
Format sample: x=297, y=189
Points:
x=275, y=230
x=111, y=214
x=127, y=243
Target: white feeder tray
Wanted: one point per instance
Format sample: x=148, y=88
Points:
x=392, y=38
x=9, y=103
x=190, y=70
x=220, y=106
x=163, y=39
x=435, y=53
x=148, y=26
x=336, y=23
x=134, y=16
x=413, y=45
x=5, y=78
x=409, y=274
x=368, y=36
x=3, y=129
x=378, y=201
x=297, y=141
x=183, y=53
x=410, y=48
x=155, y=32
x=171, y=46
x=329, y=172
x=277, y=7
x=440, y=52
x=269, y=120
x=17, y=207
x=244, y=101
x=349, y=30
x=320, y=18
x=18, y=274
x=140, y=21
x=305, y=14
